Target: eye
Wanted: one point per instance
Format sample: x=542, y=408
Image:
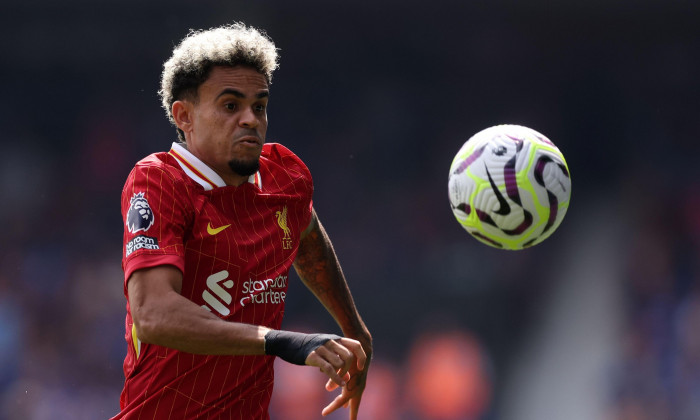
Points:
x=230, y=106
x=259, y=108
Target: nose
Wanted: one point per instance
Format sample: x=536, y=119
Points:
x=248, y=119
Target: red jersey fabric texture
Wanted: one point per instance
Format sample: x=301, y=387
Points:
x=235, y=246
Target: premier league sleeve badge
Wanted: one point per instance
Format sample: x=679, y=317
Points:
x=140, y=216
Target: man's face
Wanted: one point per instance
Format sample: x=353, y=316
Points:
x=228, y=123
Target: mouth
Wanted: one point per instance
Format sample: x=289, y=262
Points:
x=250, y=141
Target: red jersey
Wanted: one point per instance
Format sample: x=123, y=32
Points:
x=234, y=246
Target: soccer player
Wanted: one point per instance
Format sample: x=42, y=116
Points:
x=212, y=228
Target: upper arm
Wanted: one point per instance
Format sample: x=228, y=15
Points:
x=148, y=287
x=311, y=225
x=315, y=251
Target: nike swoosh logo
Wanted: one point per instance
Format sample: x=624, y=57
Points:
x=214, y=231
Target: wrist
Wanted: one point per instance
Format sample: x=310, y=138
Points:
x=294, y=347
x=358, y=332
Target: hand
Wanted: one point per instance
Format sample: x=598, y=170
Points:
x=345, y=362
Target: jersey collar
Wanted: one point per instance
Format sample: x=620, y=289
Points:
x=200, y=172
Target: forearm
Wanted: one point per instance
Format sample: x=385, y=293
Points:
x=192, y=329
x=319, y=269
x=164, y=317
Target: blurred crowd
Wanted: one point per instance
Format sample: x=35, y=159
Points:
x=377, y=111
x=657, y=374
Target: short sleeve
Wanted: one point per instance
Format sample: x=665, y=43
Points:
x=154, y=216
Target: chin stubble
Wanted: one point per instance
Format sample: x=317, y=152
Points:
x=244, y=168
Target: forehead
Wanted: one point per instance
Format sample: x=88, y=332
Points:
x=240, y=78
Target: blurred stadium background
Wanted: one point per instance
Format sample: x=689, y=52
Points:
x=601, y=321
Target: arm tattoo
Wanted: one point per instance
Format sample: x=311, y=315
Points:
x=319, y=269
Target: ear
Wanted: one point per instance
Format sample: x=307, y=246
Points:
x=182, y=114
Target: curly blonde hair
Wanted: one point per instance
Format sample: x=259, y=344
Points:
x=192, y=60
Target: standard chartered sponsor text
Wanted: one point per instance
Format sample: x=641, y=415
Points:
x=263, y=291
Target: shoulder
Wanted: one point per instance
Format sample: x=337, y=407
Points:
x=156, y=178
x=158, y=168
x=283, y=172
x=281, y=157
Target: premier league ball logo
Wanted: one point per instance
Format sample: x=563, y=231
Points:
x=140, y=216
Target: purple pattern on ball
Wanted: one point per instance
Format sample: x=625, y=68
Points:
x=489, y=240
x=526, y=223
x=484, y=217
x=469, y=160
x=509, y=173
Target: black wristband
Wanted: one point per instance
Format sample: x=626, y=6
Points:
x=294, y=347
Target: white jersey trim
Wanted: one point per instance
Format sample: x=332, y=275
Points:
x=200, y=172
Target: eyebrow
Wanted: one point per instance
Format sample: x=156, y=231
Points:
x=241, y=95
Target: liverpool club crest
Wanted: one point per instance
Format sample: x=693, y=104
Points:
x=282, y=223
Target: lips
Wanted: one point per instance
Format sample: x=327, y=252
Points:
x=249, y=140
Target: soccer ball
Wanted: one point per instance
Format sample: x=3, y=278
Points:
x=509, y=187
